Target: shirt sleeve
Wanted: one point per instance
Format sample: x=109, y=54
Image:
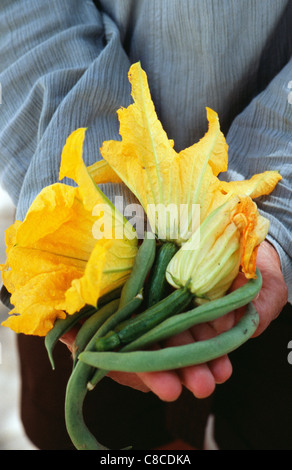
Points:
x=62, y=66
x=260, y=139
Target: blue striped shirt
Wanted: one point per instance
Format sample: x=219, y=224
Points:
x=64, y=64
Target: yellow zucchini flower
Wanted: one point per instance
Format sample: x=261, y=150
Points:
x=176, y=190
x=226, y=241
x=64, y=255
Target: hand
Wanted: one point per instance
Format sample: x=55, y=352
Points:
x=167, y=385
x=272, y=297
x=201, y=379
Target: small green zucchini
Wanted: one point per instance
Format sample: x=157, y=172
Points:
x=143, y=322
x=157, y=286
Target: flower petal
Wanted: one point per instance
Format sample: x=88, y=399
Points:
x=144, y=157
x=72, y=166
x=108, y=267
x=54, y=251
x=199, y=166
x=258, y=185
x=214, y=144
x=101, y=172
x=254, y=229
x=38, y=281
x=51, y=224
x=87, y=289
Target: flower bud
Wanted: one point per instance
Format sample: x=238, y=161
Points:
x=226, y=240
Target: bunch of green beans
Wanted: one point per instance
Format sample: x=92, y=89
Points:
x=115, y=335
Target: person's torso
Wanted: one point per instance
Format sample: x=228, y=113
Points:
x=215, y=53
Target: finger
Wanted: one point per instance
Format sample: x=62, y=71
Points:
x=224, y=323
x=227, y=321
x=129, y=379
x=238, y=282
x=221, y=367
x=268, y=306
x=69, y=338
x=165, y=384
x=198, y=378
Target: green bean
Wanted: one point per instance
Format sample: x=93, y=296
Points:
x=90, y=326
x=77, y=385
x=61, y=327
x=77, y=388
x=178, y=356
x=201, y=314
x=157, y=286
x=96, y=378
x=76, y=392
x=112, y=295
x=142, y=265
x=109, y=325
